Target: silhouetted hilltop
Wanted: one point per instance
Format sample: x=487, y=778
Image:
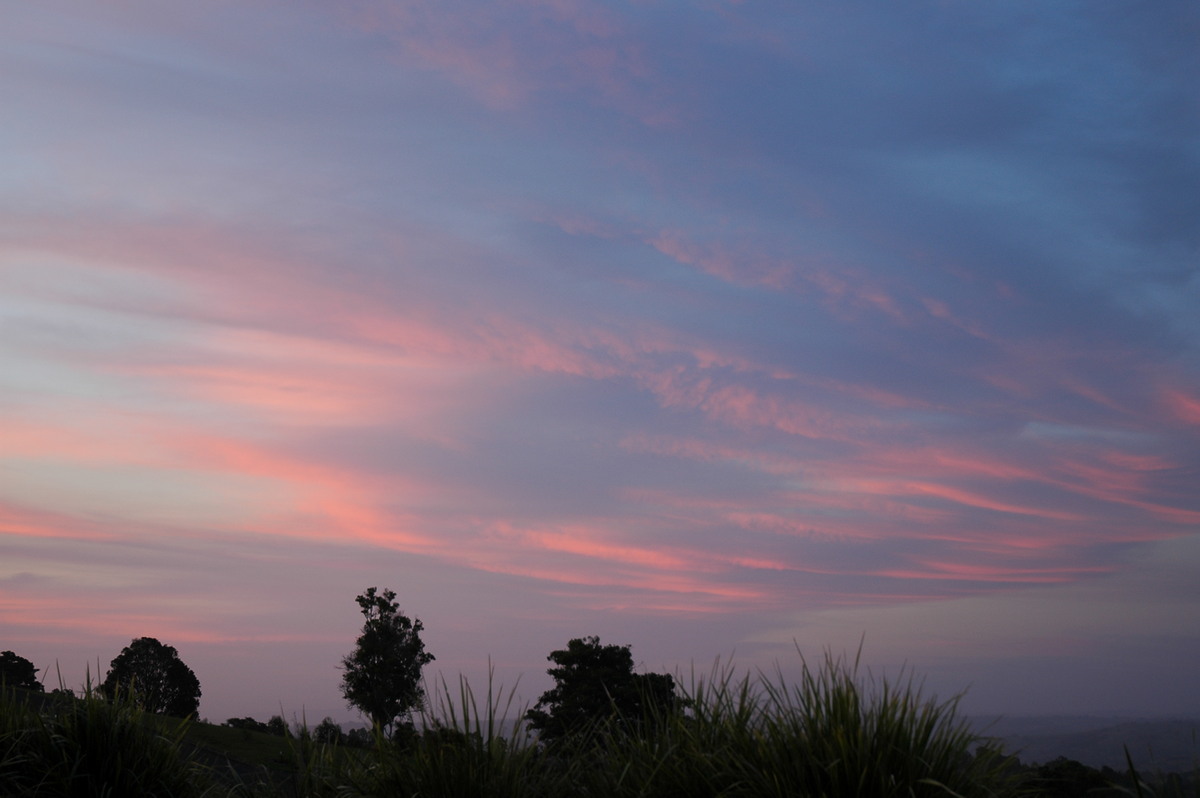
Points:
x=1166, y=745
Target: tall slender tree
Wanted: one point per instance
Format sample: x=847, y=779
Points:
x=382, y=676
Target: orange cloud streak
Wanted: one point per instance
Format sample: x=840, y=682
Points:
x=327, y=500
x=988, y=573
x=36, y=523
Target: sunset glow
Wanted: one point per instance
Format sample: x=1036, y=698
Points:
x=715, y=330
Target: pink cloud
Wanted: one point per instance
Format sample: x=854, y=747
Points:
x=64, y=438
x=561, y=574
x=328, y=502
x=560, y=46
x=940, y=310
x=740, y=267
x=946, y=570
x=360, y=359
x=947, y=462
x=122, y=617
x=847, y=290
x=288, y=396
x=1182, y=405
x=33, y=522
x=963, y=497
x=844, y=289
x=245, y=284
x=584, y=542
x=742, y=406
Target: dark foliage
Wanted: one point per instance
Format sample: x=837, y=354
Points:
x=595, y=682
x=1071, y=779
x=359, y=738
x=1068, y=778
x=17, y=671
x=382, y=676
x=92, y=747
x=155, y=675
x=278, y=726
x=328, y=732
x=250, y=724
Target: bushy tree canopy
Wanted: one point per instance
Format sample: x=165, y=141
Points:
x=249, y=724
x=328, y=732
x=382, y=676
x=16, y=671
x=594, y=682
x=156, y=676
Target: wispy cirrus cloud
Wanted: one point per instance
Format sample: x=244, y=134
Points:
x=722, y=323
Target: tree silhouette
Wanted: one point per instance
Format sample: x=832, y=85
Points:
x=328, y=732
x=382, y=676
x=157, y=678
x=16, y=671
x=594, y=682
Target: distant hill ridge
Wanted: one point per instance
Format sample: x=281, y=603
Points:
x=1168, y=745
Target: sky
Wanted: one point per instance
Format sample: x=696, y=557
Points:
x=732, y=332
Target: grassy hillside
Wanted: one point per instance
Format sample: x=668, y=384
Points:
x=240, y=745
x=833, y=733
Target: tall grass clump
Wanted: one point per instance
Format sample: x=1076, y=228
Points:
x=836, y=733
x=463, y=750
x=92, y=746
x=833, y=733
